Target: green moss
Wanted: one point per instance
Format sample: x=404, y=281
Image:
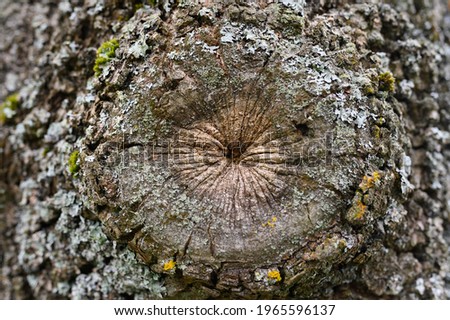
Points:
x=380, y=121
x=105, y=53
x=45, y=151
x=368, y=90
x=386, y=82
x=376, y=131
x=74, y=166
x=8, y=107
x=292, y=24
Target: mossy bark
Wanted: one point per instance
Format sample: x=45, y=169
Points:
x=229, y=149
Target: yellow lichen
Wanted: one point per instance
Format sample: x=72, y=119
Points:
x=369, y=181
x=274, y=275
x=360, y=210
x=270, y=223
x=169, y=265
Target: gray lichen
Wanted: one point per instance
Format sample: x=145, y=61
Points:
x=368, y=209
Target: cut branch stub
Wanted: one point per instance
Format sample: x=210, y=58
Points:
x=239, y=168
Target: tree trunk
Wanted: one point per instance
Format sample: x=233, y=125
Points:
x=224, y=149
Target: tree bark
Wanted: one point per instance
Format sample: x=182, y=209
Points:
x=224, y=149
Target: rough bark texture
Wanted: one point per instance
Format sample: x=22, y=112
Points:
x=253, y=149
